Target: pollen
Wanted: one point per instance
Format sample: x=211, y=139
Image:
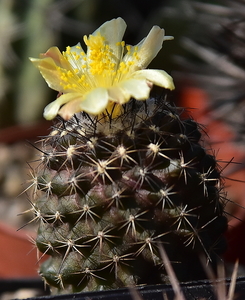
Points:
x=101, y=62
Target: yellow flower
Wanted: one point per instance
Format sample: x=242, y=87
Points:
x=110, y=72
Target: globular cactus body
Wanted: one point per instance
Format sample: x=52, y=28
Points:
x=112, y=191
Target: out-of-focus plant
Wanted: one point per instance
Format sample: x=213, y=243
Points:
x=9, y=29
x=214, y=64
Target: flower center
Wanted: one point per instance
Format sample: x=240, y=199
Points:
x=100, y=56
x=102, y=66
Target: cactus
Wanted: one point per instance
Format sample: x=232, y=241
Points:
x=120, y=178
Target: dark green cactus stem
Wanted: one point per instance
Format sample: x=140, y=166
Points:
x=110, y=192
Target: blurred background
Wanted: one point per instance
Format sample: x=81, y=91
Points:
x=206, y=59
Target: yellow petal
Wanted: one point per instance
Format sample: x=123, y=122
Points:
x=95, y=101
x=52, y=109
x=70, y=108
x=49, y=71
x=144, y=52
x=113, y=110
x=57, y=57
x=157, y=77
x=113, y=32
x=118, y=94
x=150, y=46
x=136, y=88
x=50, y=65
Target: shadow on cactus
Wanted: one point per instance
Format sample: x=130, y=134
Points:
x=119, y=177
